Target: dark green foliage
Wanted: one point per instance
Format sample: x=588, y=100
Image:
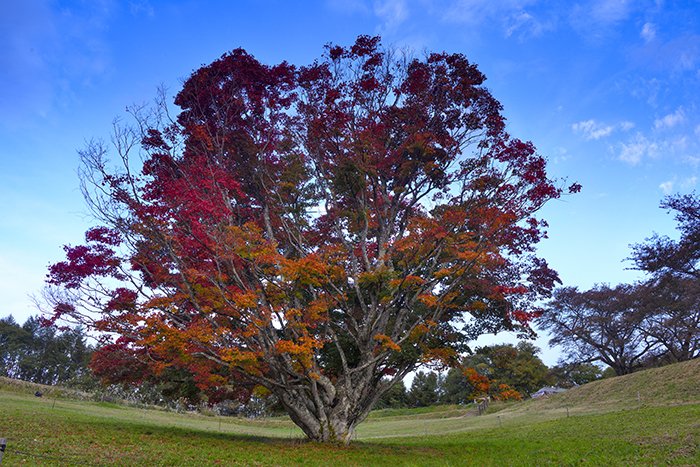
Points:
x=395, y=398
x=44, y=355
x=456, y=388
x=426, y=389
x=517, y=366
x=568, y=375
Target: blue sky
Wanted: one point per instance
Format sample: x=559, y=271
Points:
x=608, y=90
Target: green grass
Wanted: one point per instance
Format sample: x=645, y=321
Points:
x=608, y=424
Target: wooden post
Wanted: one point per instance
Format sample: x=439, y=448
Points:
x=567, y=412
x=3, y=443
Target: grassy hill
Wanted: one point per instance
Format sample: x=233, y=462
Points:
x=650, y=417
x=668, y=385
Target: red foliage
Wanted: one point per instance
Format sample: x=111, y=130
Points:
x=302, y=224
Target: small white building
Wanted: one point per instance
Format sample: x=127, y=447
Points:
x=547, y=391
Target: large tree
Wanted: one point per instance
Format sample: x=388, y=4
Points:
x=670, y=298
x=661, y=256
x=518, y=366
x=319, y=231
x=602, y=324
x=651, y=322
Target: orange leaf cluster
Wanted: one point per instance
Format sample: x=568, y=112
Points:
x=386, y=343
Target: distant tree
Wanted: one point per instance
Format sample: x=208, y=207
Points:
x=426, y=389
x=457, y=388
x=517, y=366
x=669, y=309
x=670, y=299
x=15, y=342
x=497, y=371
x=116, y=365
x=40, y=354
x=394, y=398
x=599, y=325
x=567, y=375
x=314, y=229
x=662, y=256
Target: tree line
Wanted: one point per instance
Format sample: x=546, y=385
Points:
x=501, y=371
x=43, y=354
x=46, y=354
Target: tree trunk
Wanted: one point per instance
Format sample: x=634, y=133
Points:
x=329, y=424
x=328, y=412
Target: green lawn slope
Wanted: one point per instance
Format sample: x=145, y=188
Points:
x=647, y=418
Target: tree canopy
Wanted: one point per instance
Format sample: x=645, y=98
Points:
x=319, y=231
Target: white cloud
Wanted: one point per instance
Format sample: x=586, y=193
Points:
x=638, y=148
x=610, y=11
x=670, y=120
x=667, y=187
x=392, y=12
x=686, y=184
x=478, y=11
x=648, y=32
x=592, y=130
x=679, y=143
x=594, y=19
x=524, y=24
x=626, y=126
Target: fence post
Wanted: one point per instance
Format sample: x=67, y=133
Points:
x=3, y=443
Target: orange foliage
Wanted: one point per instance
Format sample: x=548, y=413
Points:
x=385, y=343
x=481, y=383
x=507, y=393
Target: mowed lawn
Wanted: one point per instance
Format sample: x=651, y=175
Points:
x=605, y=423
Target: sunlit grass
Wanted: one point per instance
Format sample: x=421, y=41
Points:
x=614, y=422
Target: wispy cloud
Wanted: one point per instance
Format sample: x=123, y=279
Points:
x=48, y=52
x=594, y=130
x=670, y=120
x=648, y=32
x=690, y=183
x=676, y=56
x=593, y=19
x=638, y=148
x=513, y=15
x=141, y=7
x=678, y=147
x=686, y=184
x=392, y=12
x=610, y=11
x=667, y=187
x=524, y=24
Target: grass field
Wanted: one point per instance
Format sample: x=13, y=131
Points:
x=650, y=417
